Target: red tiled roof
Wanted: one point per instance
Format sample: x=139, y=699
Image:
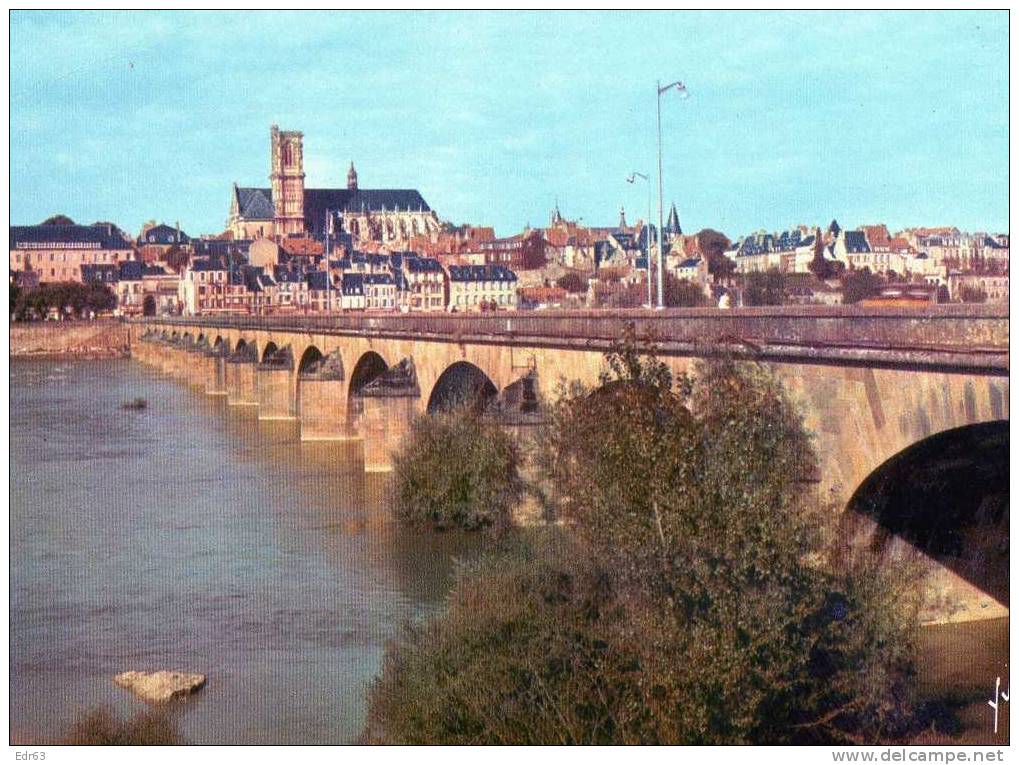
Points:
x=295, y=246
x=878, y=235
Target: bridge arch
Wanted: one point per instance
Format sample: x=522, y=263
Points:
x=370, y=366
x=462, y=384
x=307, y=363
x=309, y=358
x=947, y=496
x=267, y=352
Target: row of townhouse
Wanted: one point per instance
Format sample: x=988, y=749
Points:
x=915, y=252
x=357, y=282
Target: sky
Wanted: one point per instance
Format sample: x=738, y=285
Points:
x=796, y=117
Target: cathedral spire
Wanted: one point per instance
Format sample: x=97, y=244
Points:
x=622, y=217
x=672, y=226
x=557, y=217
x=352, y=177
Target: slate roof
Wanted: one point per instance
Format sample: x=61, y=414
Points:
x=422, y=265
x=856, y=242
x=257, y=203
x=353, y=284
x=106, y=273
x=254, y=204
x=284, y=275
x=378, y=279
x=690, y=263
x=163, y=234
x=207, y=264
x=486, y=273
x=317, y=280
x=221, y=247
x=102, y=237
x=761, y=243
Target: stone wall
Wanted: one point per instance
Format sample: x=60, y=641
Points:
x=82, y=339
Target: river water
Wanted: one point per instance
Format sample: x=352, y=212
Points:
x=191, y=536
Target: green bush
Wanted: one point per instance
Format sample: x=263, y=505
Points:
x=521, y=656
x=100, y=727
x=456, y=470
x=699, y=599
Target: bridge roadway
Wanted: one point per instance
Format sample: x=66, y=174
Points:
x=950, y=337
x=875, y=384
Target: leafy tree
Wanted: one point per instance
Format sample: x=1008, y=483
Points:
x=695, y=597
x=58, y=220
x=572, y=282
x=682, y=293
x=764, y=288
x=176, y=257
x=456, y=470
x=860, y=285
x=820, y=266
x=679, y=293
x=713, y=245
x=942, y=294
x=67, y=298
x=14, y=297
x=98, y=298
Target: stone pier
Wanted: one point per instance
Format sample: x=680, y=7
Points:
x=382, y=425
x=240, y=377
x=274, y=390
x=274, y=385
x=215, y=382
x=321, y=400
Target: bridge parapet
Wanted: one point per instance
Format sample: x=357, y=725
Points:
x=945, y=337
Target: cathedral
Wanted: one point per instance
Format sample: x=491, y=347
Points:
x=286, y=208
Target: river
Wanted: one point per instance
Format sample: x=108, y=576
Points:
x=191, y=536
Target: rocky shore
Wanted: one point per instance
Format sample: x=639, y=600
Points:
x=101, y=339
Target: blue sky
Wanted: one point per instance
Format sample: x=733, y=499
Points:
x=793, y=117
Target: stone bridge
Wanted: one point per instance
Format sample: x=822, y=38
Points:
x=876, y=385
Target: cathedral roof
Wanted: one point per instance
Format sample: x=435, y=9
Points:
x=257, y=204
x=317, y=201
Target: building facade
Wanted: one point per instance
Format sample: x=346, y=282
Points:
x=482, y=288
x=57, y=253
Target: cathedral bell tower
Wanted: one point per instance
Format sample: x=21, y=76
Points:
x=287, y=179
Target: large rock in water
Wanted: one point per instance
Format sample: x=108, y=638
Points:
x=160, y=686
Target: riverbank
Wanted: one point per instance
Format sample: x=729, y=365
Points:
x=101, y=339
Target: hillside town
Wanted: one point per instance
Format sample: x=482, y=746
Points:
x=289, y=249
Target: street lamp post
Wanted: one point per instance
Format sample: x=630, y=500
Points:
x=680, y=88
x=329, y=301
x=647, y=233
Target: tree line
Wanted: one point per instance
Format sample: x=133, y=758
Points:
x=67, y=299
